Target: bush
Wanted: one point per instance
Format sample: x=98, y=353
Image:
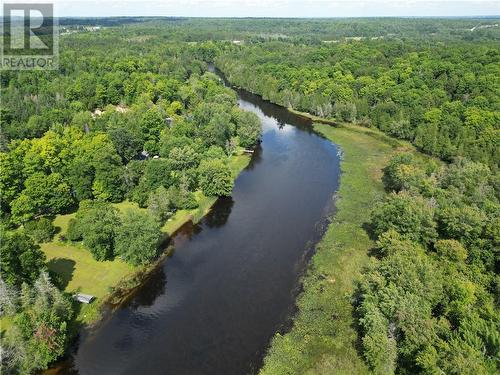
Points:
x=41, y=230
x=345, y=111
x=74, y=232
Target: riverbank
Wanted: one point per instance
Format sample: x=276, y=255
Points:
x=111, y=281
x=323, y=338
x=120, y=278
x=314, y=118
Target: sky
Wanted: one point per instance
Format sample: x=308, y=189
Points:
x=273, y=8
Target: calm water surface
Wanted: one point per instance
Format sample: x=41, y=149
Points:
x=213, y=306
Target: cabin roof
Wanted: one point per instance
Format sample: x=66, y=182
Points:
x=85, y=298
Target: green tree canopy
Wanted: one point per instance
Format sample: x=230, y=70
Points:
x=215, y=178
x=137, y=238
x=21, y=259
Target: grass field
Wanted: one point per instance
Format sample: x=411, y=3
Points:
x=79, y=272
x=323, y=338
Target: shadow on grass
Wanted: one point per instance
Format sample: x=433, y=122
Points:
x=63, y=269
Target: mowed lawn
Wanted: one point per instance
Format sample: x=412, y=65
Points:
x=323, y=338
x=80, y=272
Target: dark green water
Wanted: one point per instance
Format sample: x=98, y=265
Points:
x=213, y=307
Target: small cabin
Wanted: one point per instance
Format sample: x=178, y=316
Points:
x=84, y=298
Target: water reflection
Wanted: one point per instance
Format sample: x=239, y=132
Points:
x=214, y=305
x=220, y=212
x=152, y=289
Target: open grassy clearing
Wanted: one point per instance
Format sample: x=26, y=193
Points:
x=323, y=338
x=80, y=272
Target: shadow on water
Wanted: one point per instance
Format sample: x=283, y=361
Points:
x=151, y=289
x=214, y=305
x=220, y=212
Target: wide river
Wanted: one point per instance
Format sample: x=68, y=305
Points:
x=231, y=284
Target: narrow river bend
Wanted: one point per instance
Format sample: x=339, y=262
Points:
x=213, y=306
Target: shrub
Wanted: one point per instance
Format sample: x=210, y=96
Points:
x=41, y=230
x=74, y=232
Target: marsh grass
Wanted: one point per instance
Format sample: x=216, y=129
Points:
x=323, y=338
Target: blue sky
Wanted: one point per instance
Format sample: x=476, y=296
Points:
x=276, y=8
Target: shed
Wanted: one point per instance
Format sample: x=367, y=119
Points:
x=84, y=298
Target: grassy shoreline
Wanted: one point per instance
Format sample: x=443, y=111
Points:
x=111, y=281
x=121, y=287
x=323, y=338
x=314, y=118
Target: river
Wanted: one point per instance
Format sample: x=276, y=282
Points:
x=214, y=305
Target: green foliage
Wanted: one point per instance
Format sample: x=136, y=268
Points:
x=151, y=124
x=441, y=99
x=42, y=195
x=159, y=204
x=10, y=179
x=183, y=158
x=74, y=231
x=181, y=198
x=451, y=250
x=426, y=306
x=248, y=128
x=137, y=238
x=88, y=123
x=40, y=331
x=21, y=260
x=465, y=223
x=98, y=223
x=401, y=173
x=126, y=137
x=41, y=230
x=215, y=178
x=412, y=216
x=428, y=299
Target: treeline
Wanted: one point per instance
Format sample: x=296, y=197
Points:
x=124, y=117
x=99, y=157
x=314, y=31
x=430, y=303
x=442, y=97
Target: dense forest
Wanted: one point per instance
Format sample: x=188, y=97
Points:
x=120, y=120
x=444, y=97
x=133, y=115
x=430, y=302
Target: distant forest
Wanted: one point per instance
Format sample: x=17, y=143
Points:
x=133, y=114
